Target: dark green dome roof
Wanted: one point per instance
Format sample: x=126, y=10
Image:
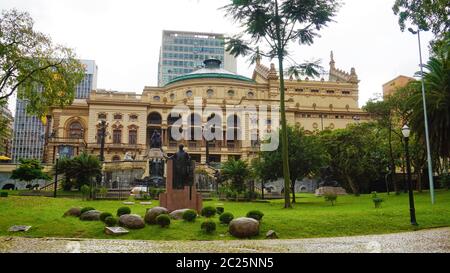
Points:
x=211, y=70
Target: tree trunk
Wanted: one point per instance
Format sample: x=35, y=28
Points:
x=419, y=180
x=391, y=155
x=352, y=185
x=293, y=189
x=284, y=138
x=262, y=189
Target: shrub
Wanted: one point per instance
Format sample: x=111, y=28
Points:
x=220, y=210
x=255, y=214
x=3, y=194
x=208, y=226
x=444, y=181
x=208, y=211
x=123, y=210
x=104, y=215
x=163, y=220
x=190, y=215
x=330, y=197
x=85, y=191
x=110, y=221
x=103, y=191
x=226, y=217
x=83, y=210
x=376, y=200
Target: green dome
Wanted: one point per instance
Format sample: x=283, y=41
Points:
x=211, y=70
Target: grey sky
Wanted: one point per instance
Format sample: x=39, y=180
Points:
x=124, y=37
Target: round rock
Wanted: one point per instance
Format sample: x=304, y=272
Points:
x=91, y=215
x=131, y=221
x=177, y=214
x=244, y=227
x=76, y=212
x=150, y=216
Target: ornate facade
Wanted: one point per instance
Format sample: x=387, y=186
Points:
x=131, y=118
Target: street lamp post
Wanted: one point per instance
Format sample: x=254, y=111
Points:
x=102, y=125
x=56, y=175
x=427, y=137
x=412, y=212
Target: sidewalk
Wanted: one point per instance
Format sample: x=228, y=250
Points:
x=431, y=240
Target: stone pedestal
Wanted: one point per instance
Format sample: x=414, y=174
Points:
x=174, y=199
x=330, y=190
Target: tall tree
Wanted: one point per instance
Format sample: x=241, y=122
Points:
x=437, y=85
x=306, y=157
x=274, y=24
x=425, y=14
x=43, y=73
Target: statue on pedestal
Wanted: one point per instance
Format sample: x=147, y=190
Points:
x=183, y=172
x=155, y=141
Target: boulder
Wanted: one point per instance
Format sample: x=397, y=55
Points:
x=131, y=221
x=177, y=214
x=244, y=227
x=150, y=216
x=91, y=215
x=271, y=234
x=76, y=212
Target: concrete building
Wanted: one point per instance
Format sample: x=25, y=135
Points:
x=392, y=85
x=29, y=136
x=7, y=121
x=183, y=52
x=132, y=118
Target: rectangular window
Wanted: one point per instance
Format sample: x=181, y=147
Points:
x=117, y=136
x=132, y=137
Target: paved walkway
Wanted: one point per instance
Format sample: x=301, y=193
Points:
x=431, y=240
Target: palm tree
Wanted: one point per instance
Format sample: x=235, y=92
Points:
x=236, y=171
x=82, y=168
x=437, y=86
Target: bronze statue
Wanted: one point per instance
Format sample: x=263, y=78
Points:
x=155, y=141
x=183, y=171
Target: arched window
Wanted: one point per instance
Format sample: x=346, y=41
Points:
x=189, y=93
x=75, y=130
x=230, y=93
x=210, y=93
x=116, y=158
x=154, y=118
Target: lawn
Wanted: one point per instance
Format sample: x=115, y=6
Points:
x=310, y=217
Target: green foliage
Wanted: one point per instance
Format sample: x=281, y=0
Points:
x=163, y=220
x=81, y=169
x=306, y=156
x=376, y=200
x=103, y=191
x=444, y=180
x=226, y=217
x=330, y=197
x=427, y=15
x=83, y=210
x=255, y=214
x=44, y=74
x=110, y=221
x=274, y=26
x=123, y=210
x=235, y=171
x=190, y=215
x=28, y=170
x=85, y=191
x=104, y=215
x=355, y=156
x=208, y=211
x=220, y=210
x=208, y=226
x=3, y=194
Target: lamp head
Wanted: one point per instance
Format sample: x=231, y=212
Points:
x=406, y=131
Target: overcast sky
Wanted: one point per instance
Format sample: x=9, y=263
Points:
x=124, y=37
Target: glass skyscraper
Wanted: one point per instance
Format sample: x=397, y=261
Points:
x=29, y=132
x=183, y=52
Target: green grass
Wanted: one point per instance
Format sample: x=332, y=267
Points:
x=310, y=217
